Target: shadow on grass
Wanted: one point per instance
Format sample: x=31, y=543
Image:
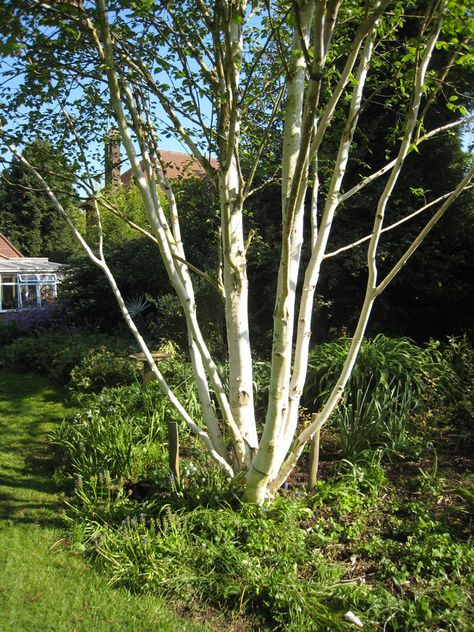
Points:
x=29, y=410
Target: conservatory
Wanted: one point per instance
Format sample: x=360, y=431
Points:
x=26, y=283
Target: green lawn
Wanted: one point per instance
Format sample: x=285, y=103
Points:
x=44, y=585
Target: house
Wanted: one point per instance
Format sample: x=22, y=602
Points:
x=25, y=282
x=176, y=165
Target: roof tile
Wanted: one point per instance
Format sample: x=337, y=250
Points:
x=177, y=165
x=7, y=249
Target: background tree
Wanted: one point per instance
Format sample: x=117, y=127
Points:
x=140, y=274
x=27, y=216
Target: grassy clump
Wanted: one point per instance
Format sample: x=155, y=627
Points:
x=393, y=381
x=246, y=560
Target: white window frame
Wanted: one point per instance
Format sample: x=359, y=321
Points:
x=38, y=280
x=13, y=283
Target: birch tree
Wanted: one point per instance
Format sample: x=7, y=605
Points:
x=221, y=78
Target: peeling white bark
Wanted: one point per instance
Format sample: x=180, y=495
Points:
x=371, y=290
x=233, y=245
x=313, y=270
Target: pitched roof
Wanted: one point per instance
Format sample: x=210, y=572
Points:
x=7, y=249
x=176, y=165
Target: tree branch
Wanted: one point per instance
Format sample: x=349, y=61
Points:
x=377, y=174
x=423, y=233
x=354, y=244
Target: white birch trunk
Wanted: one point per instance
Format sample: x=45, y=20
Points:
x=233, y=249
x=313, y=270
x=273, y=444
x=236, y=310
x=207, y=407
x=165, y=238
x=371, y=291
x=263, y=465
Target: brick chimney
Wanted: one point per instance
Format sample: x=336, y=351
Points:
x=112, y=159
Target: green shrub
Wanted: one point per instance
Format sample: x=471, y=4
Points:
x=392, y=380
x=459, y=352
x=57, y=354
x=380, y=418
x=355, y=486
x=63, y=354
x=100, y=368
x=24, y=355
x=9, y=331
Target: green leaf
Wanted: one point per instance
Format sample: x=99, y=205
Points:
x=10, y=46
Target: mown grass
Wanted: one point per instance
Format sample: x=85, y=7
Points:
x=44, y=585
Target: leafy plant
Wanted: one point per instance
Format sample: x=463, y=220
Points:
x=137, y=305
x=100, y=368
x=382, y=363
x=119, y=431
x=55, y=354
x=392, y=380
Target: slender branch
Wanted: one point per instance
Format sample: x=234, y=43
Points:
x=186, y=43
x=205, y=14
x=280, y=46
x=254, y=66
x=57, y=204
x=101, y=263
x=320, y=243
x=326, y=117
x=330, y=22
x=274, y=179
x=354, y=244
x=302, y=39
x=263, y=143
x=440, y=82
x=423, y=233
x=314, y=204
x=81, y=149
x=139, y=66
x=377, y=174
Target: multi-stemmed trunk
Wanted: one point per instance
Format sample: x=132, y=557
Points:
x=228, y=427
